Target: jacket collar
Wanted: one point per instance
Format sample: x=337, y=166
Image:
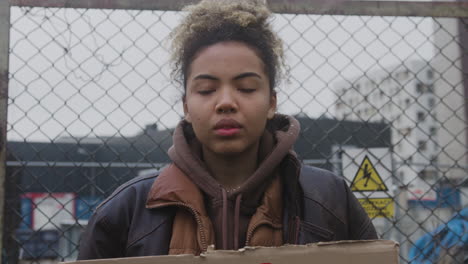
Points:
x=173, y=187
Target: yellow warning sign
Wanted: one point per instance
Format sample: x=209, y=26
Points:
x=367, y=178
x=378, y=207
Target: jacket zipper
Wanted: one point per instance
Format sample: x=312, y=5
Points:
x=252, y=230
x=203, y=242
x=294, y=230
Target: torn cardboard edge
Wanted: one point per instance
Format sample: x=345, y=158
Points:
x=350, y=252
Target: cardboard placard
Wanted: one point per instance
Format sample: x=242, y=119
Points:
x=343, y=252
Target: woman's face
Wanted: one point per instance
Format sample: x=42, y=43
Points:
x=228, y=98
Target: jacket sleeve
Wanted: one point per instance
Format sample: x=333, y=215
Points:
x=99, y=240
x=360, y=225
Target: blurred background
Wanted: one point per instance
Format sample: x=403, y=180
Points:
x=87, y=103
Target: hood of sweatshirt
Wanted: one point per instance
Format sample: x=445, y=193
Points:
x=233, y=210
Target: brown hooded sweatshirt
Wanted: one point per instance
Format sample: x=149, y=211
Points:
x=250, y=215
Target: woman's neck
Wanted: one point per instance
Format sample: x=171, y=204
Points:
x=232, y=170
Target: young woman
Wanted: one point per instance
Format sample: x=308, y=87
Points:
x=234, y=180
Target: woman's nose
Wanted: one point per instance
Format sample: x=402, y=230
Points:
x=227, y=103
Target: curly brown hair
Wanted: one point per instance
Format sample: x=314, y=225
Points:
x=213, y=21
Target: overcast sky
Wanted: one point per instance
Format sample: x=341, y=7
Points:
x=87, y=73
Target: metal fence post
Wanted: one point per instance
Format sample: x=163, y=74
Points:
x=4, y=54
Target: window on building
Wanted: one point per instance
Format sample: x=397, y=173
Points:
x=420, y=116
x=431, y=102
x=430, y=88
x=407, y=101
x=402, y=175
x=433, y=131
x=422, y=145
x=406, y=131
x=424, y=88
x=420, y=88
x=428, y=175
x=357, y=87
x=430, y=74
x=402, y=75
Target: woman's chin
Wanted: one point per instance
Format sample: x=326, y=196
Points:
x=232, y=148
x=229, y=149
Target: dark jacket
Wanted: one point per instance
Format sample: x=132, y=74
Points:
x=123, y=227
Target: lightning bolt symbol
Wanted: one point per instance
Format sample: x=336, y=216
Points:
x=367, y=174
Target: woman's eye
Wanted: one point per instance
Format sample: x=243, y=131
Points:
x=205, y=92
x=247, y=90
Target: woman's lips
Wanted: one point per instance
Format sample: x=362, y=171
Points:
x=227, y=127
x=227, y=131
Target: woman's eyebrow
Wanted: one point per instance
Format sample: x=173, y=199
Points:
x=247, y=74
x=206, y=77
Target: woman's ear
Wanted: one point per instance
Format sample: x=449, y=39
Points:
x=272, y=110
x=186, y=111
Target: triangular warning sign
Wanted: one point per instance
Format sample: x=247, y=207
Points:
x=367, y=178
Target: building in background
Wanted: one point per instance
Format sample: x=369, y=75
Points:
x=92, y=167
x=404, y=97
x=408, y=98
x=450, y=66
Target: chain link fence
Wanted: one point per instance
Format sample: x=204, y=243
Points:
x=381, y=98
